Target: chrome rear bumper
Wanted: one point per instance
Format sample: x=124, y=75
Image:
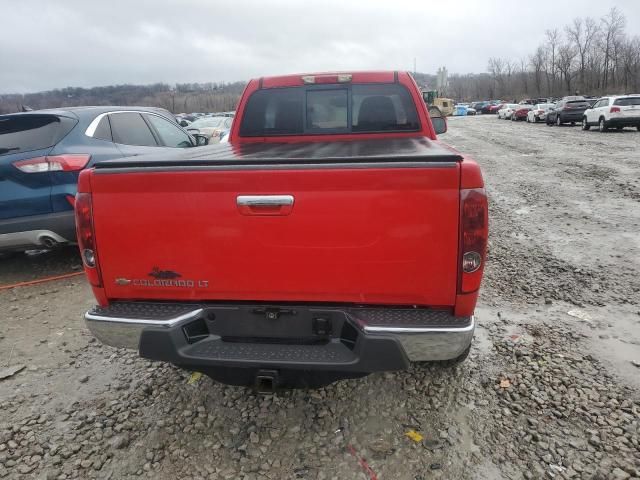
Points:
x=431, y=344
x=431, y=337
x=125, y=332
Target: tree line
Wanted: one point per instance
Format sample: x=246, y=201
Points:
x=586, y=57
x=178, y=98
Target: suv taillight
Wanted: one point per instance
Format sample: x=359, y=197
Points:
x=54, y=163
x=474, y=230
x=86, y=238
x=614, y=110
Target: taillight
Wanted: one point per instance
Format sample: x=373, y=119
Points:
x=86, y=238
x=614, y=110
x=474, y=230
x=54, y=163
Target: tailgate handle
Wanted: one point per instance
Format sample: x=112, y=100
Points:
x=264, y=200
x=265, y=204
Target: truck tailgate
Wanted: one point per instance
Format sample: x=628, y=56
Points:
x=373, y=234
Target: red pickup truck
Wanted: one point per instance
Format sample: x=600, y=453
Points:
x=332, y=237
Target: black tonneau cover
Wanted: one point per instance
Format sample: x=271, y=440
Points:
x=400, y=150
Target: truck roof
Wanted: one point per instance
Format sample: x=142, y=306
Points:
x=300, y=79
x=91, y=111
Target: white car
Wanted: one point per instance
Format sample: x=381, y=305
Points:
x=212, y=127
x=539, y=112
x=617, y=111
x=506, y=112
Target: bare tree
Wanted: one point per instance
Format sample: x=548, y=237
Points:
x=566, y=56
x=630, y=57
x=496, y=69
x=553, y=38
x=612, y=27
x=582, y=34
x=524, y=75
x=537, y=62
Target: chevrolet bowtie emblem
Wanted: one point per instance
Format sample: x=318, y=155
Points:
x=122, y=281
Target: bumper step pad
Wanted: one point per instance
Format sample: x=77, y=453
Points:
x=332, y=352
x=406, y=318
x=144, y=310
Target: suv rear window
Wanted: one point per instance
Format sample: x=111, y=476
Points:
x=324, y=109
x=578, y=103
x=627, y=102
x=23, y=133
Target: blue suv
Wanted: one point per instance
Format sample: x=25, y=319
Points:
x=42, y=153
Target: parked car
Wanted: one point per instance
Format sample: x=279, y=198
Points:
x=477, y=106
x=463, y=109
x=507, y=110
x=617, y=112
x=222, y=134
x=539, y=112
x=276, y=262
x=211, y=127
x=567, y=111
x=520, y=112
x=486, y=107
x=460, y=110
x=42, y=153
x=493, y=109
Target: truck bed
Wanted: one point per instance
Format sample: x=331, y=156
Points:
x=391, y=151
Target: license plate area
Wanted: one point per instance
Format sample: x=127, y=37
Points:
x=293, y=324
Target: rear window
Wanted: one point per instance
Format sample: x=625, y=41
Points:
x=23, y=133
x=627, y=102
x=329, y=109
x=578, y=103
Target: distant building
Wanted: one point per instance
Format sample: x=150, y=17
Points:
x=442, y=80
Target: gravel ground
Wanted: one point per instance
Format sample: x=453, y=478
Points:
x=551, y=389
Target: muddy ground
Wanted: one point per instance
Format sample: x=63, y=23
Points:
x=551, y=389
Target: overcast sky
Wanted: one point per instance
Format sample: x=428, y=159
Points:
x=51, y=44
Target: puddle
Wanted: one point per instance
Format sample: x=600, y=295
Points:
x=481, y=341
x=616, y=341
